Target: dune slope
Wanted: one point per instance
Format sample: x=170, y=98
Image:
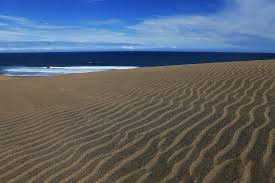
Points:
x=192, y=123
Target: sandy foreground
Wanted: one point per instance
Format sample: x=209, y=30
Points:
x=193, y=123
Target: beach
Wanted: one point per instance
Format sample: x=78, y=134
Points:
x=187, y=123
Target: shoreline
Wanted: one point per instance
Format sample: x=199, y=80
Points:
x=107, y=68
x=5, y=78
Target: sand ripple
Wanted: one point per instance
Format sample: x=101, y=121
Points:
x=193, y=123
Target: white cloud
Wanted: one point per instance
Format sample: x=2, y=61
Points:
x=240, y=24
x=128, y=47
x=243, y=25
x=2, y=24
x=59, y=45
x=18, y=20
x=27, y=30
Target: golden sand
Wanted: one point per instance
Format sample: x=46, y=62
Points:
x=192, y=123
x=4, y=78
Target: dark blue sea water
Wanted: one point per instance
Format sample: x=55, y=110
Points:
x=45, y=64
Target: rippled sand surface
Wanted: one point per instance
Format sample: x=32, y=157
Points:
x=192, y=123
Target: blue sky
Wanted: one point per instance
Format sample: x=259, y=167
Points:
x=102, y=25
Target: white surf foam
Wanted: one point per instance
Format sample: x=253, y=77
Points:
x=53, y=71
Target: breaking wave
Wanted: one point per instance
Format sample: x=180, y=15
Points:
x=55, y=71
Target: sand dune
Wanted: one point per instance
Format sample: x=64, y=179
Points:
x=193, y=123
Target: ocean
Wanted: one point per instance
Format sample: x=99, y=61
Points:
x=52, y=64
